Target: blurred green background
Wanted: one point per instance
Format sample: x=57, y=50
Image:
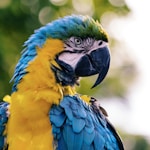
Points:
x=19, y=19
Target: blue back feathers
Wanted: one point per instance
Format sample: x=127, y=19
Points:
x=76, y=126
x=62, y=29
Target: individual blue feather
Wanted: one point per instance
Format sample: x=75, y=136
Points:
x=89, y=137
x=59, y=118
x=100, y=141
x=78, y=124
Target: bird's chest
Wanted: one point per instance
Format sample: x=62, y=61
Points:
x=29, y=127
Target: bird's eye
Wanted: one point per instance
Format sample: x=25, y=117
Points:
x=77, y=41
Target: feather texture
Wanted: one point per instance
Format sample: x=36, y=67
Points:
x=3, y=121
x=81, y=126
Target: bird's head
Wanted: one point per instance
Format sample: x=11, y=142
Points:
x=85, y=50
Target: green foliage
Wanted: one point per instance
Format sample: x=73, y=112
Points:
x=135, y=142
x=141, y=144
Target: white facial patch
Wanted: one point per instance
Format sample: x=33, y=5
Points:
x=71, y=58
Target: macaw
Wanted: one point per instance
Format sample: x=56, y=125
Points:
x=44, y=111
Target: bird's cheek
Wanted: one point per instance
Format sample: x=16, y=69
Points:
x=70, y=58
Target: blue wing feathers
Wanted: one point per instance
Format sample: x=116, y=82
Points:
x=81, y=127
x=3, y=121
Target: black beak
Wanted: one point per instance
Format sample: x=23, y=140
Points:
x=96, y=62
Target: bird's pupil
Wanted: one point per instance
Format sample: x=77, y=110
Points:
x=77, y=41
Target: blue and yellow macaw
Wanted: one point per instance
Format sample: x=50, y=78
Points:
x=44, y=111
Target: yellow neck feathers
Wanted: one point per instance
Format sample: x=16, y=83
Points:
x=29, y=127
x=40, y=79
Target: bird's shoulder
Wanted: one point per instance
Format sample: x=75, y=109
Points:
x=83, y=124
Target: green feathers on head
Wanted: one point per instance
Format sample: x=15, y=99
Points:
x=88, y=28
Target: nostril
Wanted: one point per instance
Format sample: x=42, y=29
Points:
x=100, y=43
